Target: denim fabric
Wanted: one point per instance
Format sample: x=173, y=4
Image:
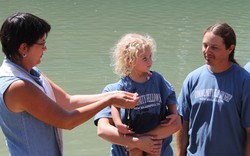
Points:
x=24, y=134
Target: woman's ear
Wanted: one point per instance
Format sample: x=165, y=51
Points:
x=23, y=48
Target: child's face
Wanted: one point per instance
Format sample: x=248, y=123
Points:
x=143, y=62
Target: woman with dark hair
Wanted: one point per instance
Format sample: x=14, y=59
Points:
x=33, y=109
x=215, y=100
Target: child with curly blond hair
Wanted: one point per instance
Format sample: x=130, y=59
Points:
x=133, y=58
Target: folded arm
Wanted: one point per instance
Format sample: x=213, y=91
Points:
x=169, y=126
x=107, y=131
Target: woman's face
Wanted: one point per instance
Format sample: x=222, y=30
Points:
x=35, y=52
x=214, y=50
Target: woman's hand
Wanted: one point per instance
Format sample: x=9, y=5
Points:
x=124, y=99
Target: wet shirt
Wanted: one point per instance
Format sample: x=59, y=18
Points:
x=217, y=107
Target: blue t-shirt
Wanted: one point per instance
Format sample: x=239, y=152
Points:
x=247, y=66
x=217, y=107
x=154, y=94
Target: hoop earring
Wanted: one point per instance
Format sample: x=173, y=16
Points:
x=24, y=55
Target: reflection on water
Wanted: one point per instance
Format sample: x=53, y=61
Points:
x=83, y=32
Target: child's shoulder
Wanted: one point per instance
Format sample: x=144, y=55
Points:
x=114, y=86
x=156, y=74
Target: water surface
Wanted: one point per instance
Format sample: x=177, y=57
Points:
x=83, y=32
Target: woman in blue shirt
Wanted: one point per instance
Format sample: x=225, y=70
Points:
x=33, y=109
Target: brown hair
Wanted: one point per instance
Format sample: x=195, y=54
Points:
x=227, y=34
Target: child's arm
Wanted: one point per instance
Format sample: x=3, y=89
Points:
x=122, y=128
x=116, y=115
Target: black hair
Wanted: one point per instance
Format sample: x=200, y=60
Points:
x=21, y=28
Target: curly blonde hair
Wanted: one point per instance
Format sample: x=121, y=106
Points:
x=126, y=51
